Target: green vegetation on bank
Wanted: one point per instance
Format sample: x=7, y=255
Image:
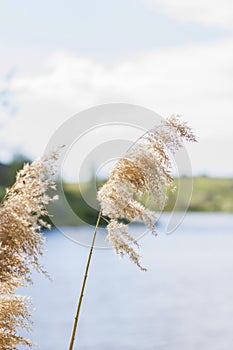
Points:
x=209, y=195
x=212, y=194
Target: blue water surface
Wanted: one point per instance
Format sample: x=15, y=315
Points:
x=183, y=302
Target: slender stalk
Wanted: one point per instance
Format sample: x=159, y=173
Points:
x=83, y=284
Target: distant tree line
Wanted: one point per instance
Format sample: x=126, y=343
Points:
x=9, y=170
x=209, y=195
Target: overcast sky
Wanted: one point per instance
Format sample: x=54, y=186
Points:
x=61, y=57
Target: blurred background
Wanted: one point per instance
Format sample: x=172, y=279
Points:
x=61, y=57
x=58, y=58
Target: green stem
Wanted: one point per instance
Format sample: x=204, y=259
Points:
x=83, y=284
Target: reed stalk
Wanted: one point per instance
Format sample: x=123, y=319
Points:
x=76, y=319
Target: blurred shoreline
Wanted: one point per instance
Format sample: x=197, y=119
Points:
x=209, y=195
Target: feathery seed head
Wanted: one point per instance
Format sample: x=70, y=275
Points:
x=145, y=170
x=21, y=243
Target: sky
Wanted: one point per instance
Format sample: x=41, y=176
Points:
x=59, y=58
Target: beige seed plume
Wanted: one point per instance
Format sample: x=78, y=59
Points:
x=21, y=243
x=14, y=314
x=145, y=170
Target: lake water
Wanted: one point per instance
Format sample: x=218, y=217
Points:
x=183, y=302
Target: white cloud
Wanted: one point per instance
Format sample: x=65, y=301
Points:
x=209, y=12
x=195, y=81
